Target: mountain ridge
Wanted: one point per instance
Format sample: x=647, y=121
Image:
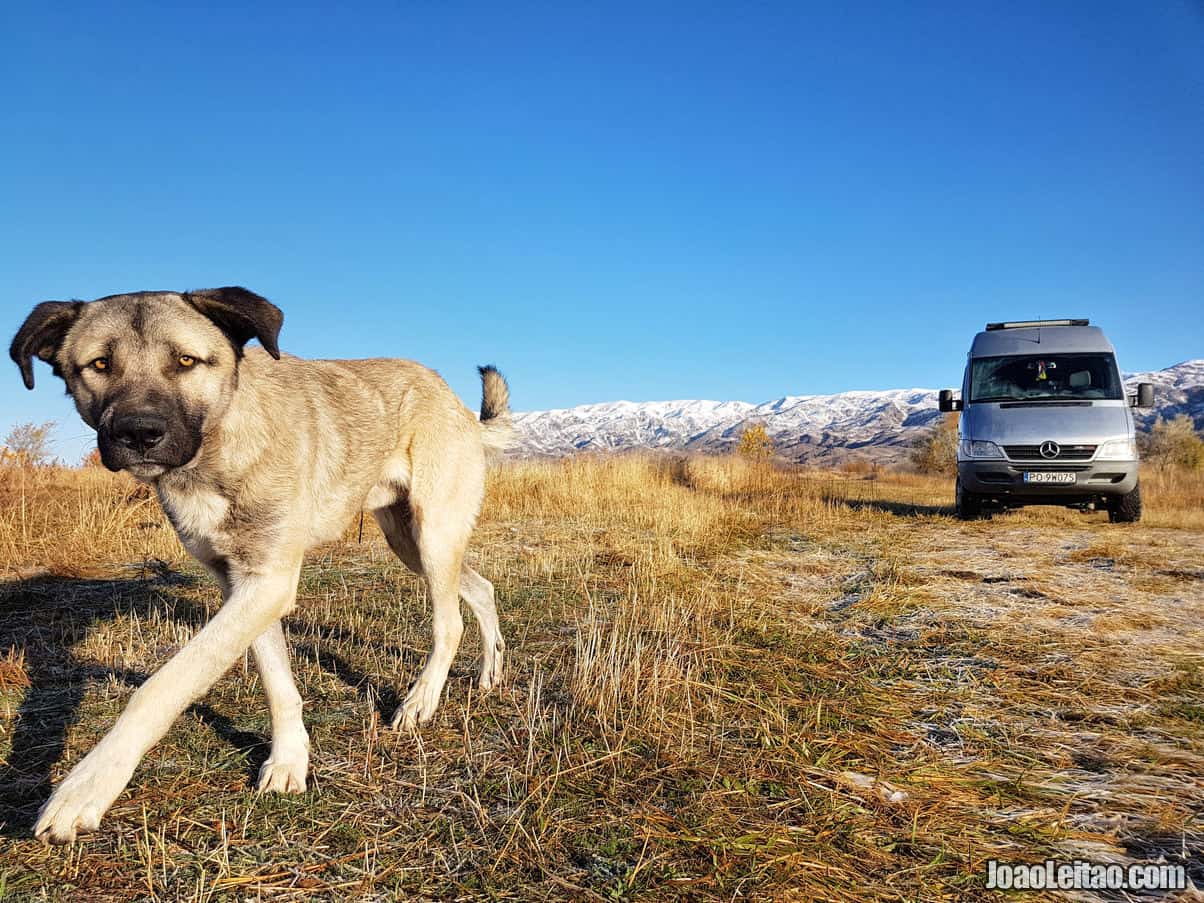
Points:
x=875, y=425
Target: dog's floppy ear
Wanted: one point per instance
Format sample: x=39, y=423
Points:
x=41, y=335
x=242, y=315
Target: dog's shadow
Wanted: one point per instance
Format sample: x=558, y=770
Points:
x=43, y=619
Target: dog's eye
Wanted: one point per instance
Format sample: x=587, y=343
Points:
x=187, y=360
x=101, y=363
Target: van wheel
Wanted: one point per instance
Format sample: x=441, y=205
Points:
x=969, y=505
x=1126, y=509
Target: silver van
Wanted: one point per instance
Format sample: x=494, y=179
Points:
x=1045, y=421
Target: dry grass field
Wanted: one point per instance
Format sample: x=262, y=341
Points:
x=724, y=683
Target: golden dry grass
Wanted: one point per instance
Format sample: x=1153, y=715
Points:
x=726, y=680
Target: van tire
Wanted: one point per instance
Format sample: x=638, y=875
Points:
x=969, y=505
x=1126, y=509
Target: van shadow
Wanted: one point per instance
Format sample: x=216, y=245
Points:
x=43, y=619
x=898, y=509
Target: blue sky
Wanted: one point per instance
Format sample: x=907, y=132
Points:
x=643, y=201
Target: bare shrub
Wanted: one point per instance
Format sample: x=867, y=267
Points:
x=1173, y=444
x=935, y=452
x=859, y=467
x=28, y=445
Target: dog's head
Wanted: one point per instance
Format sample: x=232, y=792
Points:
x=149, y=371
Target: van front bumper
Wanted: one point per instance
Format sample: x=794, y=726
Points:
x=1005, y=479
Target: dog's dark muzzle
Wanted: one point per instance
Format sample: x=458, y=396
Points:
x=139, y=432
x=146, y=437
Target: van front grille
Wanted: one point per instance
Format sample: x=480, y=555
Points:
x=1065, y=453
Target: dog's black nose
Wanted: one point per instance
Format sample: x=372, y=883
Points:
x=141, y=432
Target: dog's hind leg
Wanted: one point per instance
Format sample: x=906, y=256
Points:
x=477, y=592
x=287, y=766
x=442, y=557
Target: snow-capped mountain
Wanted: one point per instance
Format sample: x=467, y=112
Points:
x=817, y=428
x=1177, y=390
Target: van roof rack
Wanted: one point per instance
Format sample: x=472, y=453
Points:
x=1028, y=324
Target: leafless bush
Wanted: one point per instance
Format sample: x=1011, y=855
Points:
x=1173, y=445
x=935, y=452
x=28, y=445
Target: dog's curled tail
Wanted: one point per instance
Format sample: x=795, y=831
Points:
x=495, y=409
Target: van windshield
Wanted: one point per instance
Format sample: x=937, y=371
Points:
x=1045, y=377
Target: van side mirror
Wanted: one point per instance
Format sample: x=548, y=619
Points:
x=1145, y=395
x=946, y=402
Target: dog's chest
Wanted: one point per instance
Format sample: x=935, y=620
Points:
x=196, y=511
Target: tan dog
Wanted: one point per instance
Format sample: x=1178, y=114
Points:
x=257, y=457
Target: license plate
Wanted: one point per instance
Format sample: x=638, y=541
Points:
x=1049, y=476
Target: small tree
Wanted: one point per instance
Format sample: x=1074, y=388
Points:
x=28, y=444
x=935, y=451
x=1173, y=444
x=755, y=445
x=91, y=459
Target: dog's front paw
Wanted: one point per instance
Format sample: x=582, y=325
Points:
x=283, y=776
x=77, y=805
x=419, y=705
x=287, y=766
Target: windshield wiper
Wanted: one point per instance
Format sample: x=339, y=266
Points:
x=1028, y=398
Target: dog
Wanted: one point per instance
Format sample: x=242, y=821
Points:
x=257, y=456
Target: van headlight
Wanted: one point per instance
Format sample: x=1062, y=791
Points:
x=978, y=448
x=1117, y=450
